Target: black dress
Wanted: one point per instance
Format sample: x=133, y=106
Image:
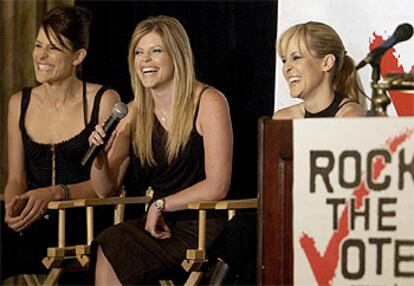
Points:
x=332, y=109
x=138, y=258
x=23, y=252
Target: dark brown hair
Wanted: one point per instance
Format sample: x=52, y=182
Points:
x=71, y=22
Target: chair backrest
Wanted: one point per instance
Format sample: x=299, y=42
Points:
x=57, y=257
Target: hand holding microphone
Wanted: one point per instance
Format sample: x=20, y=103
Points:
x=119, y=111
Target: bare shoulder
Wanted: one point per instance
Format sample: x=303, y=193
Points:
x=107, y=101
x=108, y=95
x=211, y=96
x=109, y=98
x=15, y=100
x=290, y=112
x=351, y=109
x=111, y=94
x=15, y=105
x=14, y=110
x=213, y=111
x=212, y=101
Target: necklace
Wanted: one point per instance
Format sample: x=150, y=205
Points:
x=164, y=118
x=163, y=115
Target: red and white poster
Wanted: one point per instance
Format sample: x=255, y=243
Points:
x=362, y=25
x=353, y=201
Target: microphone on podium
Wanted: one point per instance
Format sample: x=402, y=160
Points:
x=402, y=33
x=119, y=111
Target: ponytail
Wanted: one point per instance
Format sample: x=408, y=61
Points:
x=347, y=80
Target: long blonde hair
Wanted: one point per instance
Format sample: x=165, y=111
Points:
x=177, y=44
x=321, y=40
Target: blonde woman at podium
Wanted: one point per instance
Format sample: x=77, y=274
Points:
x=318, y=70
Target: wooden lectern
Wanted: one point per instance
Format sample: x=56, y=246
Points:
x=275, y=177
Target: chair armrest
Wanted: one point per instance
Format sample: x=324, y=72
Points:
x=203, y=205
x=237, y=204
x=97, y=202
x=225, y=204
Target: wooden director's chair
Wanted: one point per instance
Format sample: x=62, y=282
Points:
x=195, y=258
x=69, y=258
x=76, y=257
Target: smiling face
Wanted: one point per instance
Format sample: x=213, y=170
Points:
x=303, y=72
x=52, y=62
x=153, y=64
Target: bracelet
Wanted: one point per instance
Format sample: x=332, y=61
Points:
x=66, y=193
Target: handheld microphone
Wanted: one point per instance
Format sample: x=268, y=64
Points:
x=119, y=111
x=402, y=33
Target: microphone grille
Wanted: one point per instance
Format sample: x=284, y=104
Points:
x=120, y=110
x=404, y=32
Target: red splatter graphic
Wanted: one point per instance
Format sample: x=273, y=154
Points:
x=360, y=193
x=378, y=166
x=403, y=102
x=324, y=267
x=397, y=140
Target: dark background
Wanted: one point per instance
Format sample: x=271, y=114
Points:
x=233, y=45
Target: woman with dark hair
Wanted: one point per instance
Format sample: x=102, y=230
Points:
x=177, y=138
x=48, y=129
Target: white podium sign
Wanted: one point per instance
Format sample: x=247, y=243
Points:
x=353, y=201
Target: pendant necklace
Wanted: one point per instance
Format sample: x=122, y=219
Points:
x=163, y=117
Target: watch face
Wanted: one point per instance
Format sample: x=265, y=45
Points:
x=160, y=204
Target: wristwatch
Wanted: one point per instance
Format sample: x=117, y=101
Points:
x=160, y=204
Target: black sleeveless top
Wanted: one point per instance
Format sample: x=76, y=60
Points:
x=68, y=153
x=331, y=110
x=165, y=179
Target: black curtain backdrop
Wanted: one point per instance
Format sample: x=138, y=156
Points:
x=233, y=44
